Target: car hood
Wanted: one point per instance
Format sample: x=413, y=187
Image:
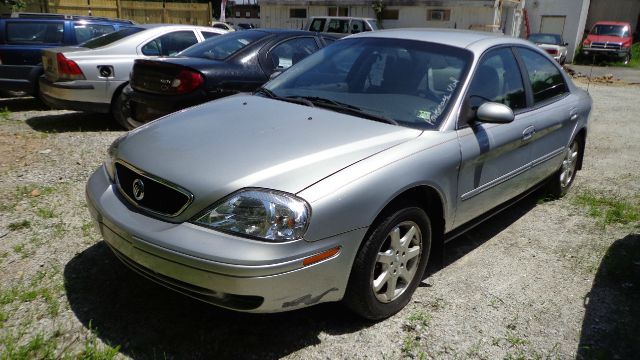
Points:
x=605, y=38
x=245, y=141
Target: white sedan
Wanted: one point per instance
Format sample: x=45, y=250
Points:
x=91, y=76
x=552, y=44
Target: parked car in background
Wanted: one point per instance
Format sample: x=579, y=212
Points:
x=342, y=177
x=92, y=76
x=342, y=24
x=222, y=25
x=611, y=39
x=552, y=44
x=237, y=62
x=24, y=35
x=244, y=26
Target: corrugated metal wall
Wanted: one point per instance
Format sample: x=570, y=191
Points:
x=614, y=10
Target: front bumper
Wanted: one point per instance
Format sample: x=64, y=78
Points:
x=228, y=271
x=78, y=95
x=604, y=51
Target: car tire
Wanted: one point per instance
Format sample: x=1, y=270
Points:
x=561, y=180
x=627, y=58
x=122, y=112
x=387, y=270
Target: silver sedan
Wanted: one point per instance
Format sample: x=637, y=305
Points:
x=342, y=177
x=91, y=76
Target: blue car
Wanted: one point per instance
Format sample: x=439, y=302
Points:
x=24, y=35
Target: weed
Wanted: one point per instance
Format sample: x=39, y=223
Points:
x=609, y=210
x=5, y=113
x=24, y=224
x=18, y=248
x=411, y=347
x=420, y=317
x=93, y=350
x=45, y=213
x=514, y=340
x=59, y=229
x=87, y=229
x=37, y=348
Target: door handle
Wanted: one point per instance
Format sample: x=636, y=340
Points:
x=574, y=116
x=527, y=134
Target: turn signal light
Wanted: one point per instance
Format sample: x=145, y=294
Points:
x=321, y=256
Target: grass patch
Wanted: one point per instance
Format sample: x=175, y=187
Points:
x=609, y=210
x=420, y=317
x=24, y=224
x=45, y=213
x=5, y=113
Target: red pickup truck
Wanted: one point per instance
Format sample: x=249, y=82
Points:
x=609, y=38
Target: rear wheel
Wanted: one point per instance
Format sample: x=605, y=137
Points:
x=562, y=180
x=390, y=264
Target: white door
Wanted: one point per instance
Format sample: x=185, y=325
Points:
x=552, y=25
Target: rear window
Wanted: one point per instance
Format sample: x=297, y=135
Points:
x=85, y=32
x=35, y=32
x=221, y=47
x=545, y=39
x=110, y=38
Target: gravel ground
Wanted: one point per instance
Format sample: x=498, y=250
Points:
x=545, y=279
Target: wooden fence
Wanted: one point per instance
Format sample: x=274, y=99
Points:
x=143, y=12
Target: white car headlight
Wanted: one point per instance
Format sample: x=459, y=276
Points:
x=259, y=213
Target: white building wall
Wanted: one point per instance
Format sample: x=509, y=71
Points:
x=574, y=11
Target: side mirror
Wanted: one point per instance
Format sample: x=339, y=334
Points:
x=565, y=44
x=496, y=113
x=275, y=74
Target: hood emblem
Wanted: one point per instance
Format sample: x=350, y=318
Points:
x=138, y=189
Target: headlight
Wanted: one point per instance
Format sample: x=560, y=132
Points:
x=265, y=214
x=109, y=162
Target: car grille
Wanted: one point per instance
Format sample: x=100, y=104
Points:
x=152, y=194
x=606, y=45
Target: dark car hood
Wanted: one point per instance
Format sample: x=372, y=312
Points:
x=244, y=141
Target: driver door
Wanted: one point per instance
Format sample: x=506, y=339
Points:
x=494, y=156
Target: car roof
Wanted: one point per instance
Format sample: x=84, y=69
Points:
x=611, y=23
x=52, y=16
x=544, y=34
x=342, y=17
x=458, y=38
x=283, y=31
x=155, y=26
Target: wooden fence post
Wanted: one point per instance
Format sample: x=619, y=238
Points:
x=118, y=9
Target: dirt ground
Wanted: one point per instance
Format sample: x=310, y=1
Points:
x=544, y=279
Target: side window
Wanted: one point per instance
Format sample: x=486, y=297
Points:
x=169, y=44
x=317, y=25
x=546, y=80
x=498, y=79
x=24, y=32
x=86, y=32
x=291, y=51
x=208, y=34
x=338, y=26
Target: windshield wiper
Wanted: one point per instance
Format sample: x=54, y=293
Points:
x=345, y=108
x=270, y=94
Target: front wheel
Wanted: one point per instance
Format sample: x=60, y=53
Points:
x=562, y=180
x=390, y=264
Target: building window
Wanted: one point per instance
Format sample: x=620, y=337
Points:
x=338, y=11
x=390, y=14
x=298, y=13
x=247, y=14
x=237, y=14
x=439, y=15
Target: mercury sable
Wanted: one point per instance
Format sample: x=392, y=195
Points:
x=342, y=177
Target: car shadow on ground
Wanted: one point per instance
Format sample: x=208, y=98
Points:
x=149, y=321
x=611, y=325
x=73, y=122
x=27, y=103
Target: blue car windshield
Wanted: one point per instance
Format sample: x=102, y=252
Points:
x=412, y=83
x=222, y=47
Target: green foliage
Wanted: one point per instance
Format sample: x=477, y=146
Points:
x=610, y=210
x=23, y=224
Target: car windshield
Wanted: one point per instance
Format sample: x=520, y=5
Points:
x=412, y=83
x=374, y=24
x=111, y=37
x=545, y=39
x=610, y=30
x=221, y=47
